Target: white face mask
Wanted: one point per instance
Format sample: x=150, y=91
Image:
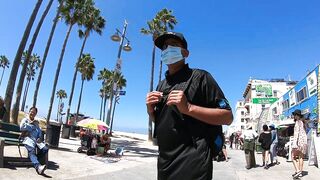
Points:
x=171, y=55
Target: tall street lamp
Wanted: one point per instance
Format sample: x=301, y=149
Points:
x=116, y=37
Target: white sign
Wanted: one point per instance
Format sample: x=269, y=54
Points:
x=312, y=83
x=317, y=149
x=292, y=97
x=312, y=151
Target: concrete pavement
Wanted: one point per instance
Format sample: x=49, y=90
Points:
x=235, y=169
x=139, y=163
x=66, y=163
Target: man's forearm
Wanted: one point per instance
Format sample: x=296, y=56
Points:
x=213, y=116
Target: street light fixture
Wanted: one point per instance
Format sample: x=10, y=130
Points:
x=127, y=47
x=116, y=37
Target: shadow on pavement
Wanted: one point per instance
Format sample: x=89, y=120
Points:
x=53, y=165
x=62, y=149
x=133, y=146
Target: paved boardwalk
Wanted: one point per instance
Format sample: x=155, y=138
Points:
x=139, y=163
x=235, y=169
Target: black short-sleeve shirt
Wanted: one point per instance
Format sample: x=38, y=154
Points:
x=184, y=152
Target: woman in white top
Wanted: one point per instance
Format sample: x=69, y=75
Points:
x=299, y=144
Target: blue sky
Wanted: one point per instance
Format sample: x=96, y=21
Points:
x=232, y=39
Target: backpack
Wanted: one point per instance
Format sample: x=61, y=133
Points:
x=213, y=133
x=215, y=138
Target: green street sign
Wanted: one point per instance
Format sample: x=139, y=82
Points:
x=264, y=100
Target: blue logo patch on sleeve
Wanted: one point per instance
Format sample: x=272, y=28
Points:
x=223, y=103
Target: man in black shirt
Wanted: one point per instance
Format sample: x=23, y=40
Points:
x=186, y=104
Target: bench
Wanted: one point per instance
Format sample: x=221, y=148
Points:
x=10, y=135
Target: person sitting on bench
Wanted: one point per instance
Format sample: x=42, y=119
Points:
x=32, y=135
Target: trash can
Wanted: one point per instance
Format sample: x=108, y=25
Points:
x=65, y=131
x=53, y=133
x=73, y=131
x=258, y=147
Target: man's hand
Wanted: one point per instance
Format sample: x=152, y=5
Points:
x=152, y=99
x=177, y=97
x=39, y=140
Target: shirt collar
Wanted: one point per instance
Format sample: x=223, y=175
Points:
x=179, y=75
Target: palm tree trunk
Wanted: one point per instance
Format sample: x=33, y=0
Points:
x=151, y=89
x=55, y=21
x=104, y=108
x=25, y=94
x=79, y=100
x=2, y=76
x=75, y=77
x=57, y=74
x=16, y=63
x=58, y=112
x=101, y=105
x=15, y=110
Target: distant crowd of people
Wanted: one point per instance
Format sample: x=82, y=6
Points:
x=236, y=141
x=94, y=143
x=269, y=142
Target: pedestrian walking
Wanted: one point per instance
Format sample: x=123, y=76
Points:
x=274, y=145
x=249, y=137
x=32, y=140
x=188, y=109
x=299, y=144
x=265, y=140
x=231, y=139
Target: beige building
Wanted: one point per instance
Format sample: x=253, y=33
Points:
x=252, y=111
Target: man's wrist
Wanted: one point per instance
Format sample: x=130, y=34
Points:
x=190, y=108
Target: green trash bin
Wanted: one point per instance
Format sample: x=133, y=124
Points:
x=258, y=147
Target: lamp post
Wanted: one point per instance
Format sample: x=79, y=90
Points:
x=117, y=69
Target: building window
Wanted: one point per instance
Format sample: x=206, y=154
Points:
x=242, y=112
x=302, y=94
x=285, y=104
x=242, y=120
x=242, y=127
x=275, y=93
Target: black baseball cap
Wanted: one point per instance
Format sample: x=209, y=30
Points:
x=297, y=112
x=159, y=41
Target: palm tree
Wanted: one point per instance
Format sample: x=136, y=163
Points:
x=16, y=62
x=33, y=65
x=72, y=12
x=15, y=110
x=163, y=21
x=92, y=21
x=86, y=68
x=4, y=63
x=61, y=94
x=121, y=83
x=55, y=21
x=106, y=77
x=101, y=94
